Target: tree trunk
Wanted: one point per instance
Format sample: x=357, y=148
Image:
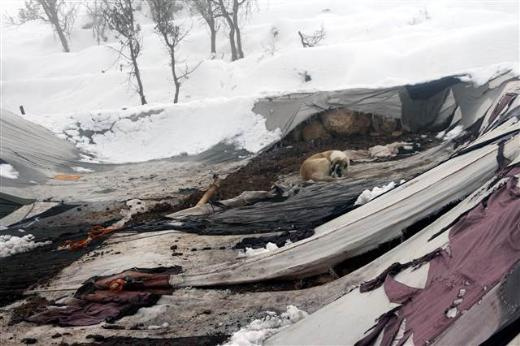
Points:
x=61, y=35
x=212, y=28
x=175, y=77
x=52, y=15
x=234, y=54
x=237, y=29
x=140, y=89
x=177, y=90
x=227, y=16
x=213, y=41
x=239, y=42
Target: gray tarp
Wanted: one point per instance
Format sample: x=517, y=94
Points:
x=9, y=203
x=32, y=150
x=418, y=106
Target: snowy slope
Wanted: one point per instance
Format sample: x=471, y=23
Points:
x=166, y=130
x=368, y=43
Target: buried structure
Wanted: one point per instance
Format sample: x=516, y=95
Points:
x=419, y=243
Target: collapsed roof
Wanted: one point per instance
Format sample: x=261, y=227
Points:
x=460, y=174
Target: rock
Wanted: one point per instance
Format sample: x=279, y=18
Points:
x=384, y=125
x=346, y=122
x=314, y=130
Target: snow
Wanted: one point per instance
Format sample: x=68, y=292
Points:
x=153, y=327
x=250, y=252
x=368, y=195
x=259, y=330
x=10, y=245
x=452, y=312
x=370, y=43
x=167, y=130
x=80, y=169
x=8, y=171
x=457, y=130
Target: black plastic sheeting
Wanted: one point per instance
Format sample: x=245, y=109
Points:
x=308, y=207
x=22, y=271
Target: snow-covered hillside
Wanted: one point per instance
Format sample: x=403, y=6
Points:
x=368, y=43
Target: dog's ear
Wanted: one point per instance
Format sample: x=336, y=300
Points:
x=332, y=169
x=339, y=170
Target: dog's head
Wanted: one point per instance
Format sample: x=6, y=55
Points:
x=339, y=164
x=338, y=169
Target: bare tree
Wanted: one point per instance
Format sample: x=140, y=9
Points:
x=58, y=13
x=312, y=39
x=119, y=15
x=206, y=9
x=230, y=10
x=172, y=33
x=30, y=11
x=97, y=23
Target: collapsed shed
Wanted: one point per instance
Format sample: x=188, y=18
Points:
x=460, y=173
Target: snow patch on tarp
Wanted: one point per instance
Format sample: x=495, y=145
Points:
x=80, y=169
x=10, y=245
x=8, y=171
x=451, y=134
x=250, y=252
x=368, y=195
x=259, y=330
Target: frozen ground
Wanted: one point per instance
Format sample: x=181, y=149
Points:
x=368, y=43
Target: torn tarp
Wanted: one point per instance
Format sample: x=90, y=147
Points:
x=483, y=247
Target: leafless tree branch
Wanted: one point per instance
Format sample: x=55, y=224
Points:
x=172, y=34
x=119, y=15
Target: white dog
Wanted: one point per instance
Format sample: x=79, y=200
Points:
x=325, y=166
